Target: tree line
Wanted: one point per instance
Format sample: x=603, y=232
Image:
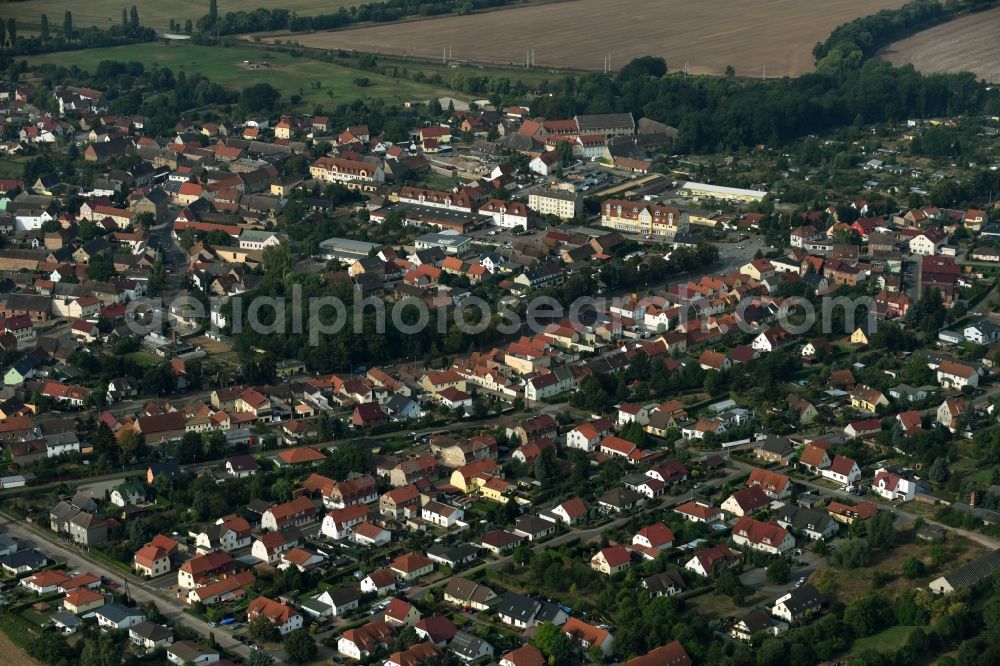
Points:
x=260, y=19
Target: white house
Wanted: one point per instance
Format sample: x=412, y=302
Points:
x=381, y=582
x=956, y=375
x=927, y=243
x=544, y=165
x=892, y=486
x=183, y=653
x=765, y=537
x=797, y=604
x=843, y=470
x=118, y=616
x=442, y=515
x=628, y=412
x=338, y=524
x=587, y=436
x=284, y=618
x=983, y=333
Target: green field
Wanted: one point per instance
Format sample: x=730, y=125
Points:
x=152, y=14
x=291, y=76
x=889, y=640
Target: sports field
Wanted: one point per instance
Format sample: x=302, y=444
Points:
x=153, y=14
x=227, y=66
x=747, y=34
x=970, y=43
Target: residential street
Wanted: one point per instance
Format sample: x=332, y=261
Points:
x=141, y=591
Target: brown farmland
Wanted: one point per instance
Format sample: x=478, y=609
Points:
x=747, y=34
x=970, y=43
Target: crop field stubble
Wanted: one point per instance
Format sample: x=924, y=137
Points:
x=747, y=34
x=153, y=14
x=969, y=43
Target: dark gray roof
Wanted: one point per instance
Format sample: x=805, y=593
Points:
x=803, y=599
x=118, y=612
x=466, y=645
x=151, y=631
x=801, y=518
x=604, y=120
x=24, y=558
x=757, y=621
x=775, y=444
x=518, y=607
x=662, y=582
x=975, y=572
x=344, y=594
x=533, y=525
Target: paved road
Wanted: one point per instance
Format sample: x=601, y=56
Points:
x=140, y=590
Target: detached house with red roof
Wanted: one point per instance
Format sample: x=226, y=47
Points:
x=571, y=511
x=652, y=539
x=611, y=560
x=776, y=486
x=151, y=561
x=765, y=537
x=587, y=436
x=842, y=470
x=892, y=486
x=709, y=561
x=410, y=566
x=296, y=513
x=283, y=618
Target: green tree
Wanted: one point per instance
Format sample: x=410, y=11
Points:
x=939, y=471
x=12, y=31
x=261, y=629
x=133, y=17
x=299, y=646
x=100, y=268
x=260, y=658
x=101, y=650
x=213, y=12
x=851, y=554
x=914, y=567
x=43, y=31
x=554, y=644
x=68, y=24
x=778, y=571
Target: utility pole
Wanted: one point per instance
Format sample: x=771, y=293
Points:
x=444, y=55
x=764, y=75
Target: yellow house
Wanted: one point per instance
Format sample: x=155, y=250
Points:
x=435, y=382
x=468, y=478
x=859, y=337
x=611, y=560
x=82, y=600
x=868, y=399
x=494, y=489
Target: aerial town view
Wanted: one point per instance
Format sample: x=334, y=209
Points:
x=500, y=332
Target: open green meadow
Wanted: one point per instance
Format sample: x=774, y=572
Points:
x=240, y=67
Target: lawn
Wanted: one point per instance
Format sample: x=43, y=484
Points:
x=144, y=359
x=290, y=75
x=889, y=640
